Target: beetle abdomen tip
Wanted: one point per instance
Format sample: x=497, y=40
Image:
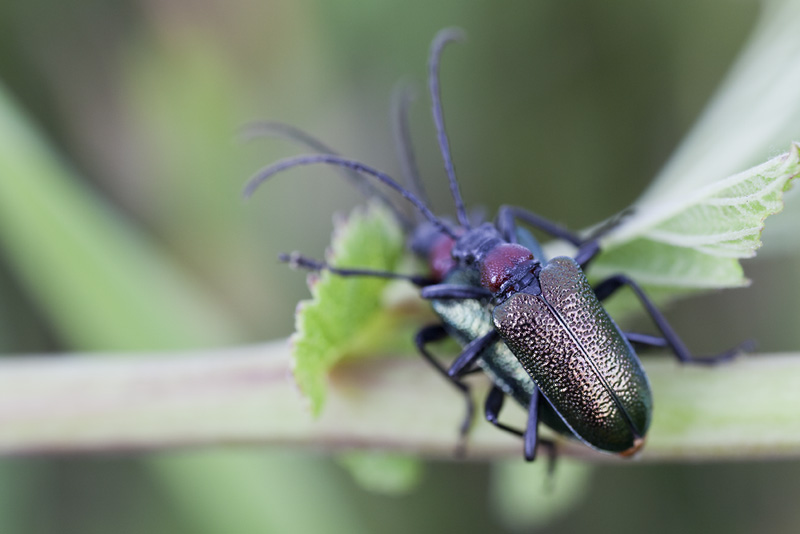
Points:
x=638, y=443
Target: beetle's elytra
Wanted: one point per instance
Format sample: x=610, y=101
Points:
x=597, y=394
x=535, y=326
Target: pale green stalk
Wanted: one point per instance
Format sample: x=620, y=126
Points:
x=245, y=396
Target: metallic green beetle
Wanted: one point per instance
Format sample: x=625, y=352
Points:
x=536, y=327
x=540, y=332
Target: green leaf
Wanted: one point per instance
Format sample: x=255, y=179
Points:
x=689, y=240
x=343, y=310
x=755, y=109
x=723, y=218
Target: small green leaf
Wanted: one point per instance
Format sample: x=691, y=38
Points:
x=344, y=309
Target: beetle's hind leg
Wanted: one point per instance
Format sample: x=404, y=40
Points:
x=494, y=403
x=673, y=341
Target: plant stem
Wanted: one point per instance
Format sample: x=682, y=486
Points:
x=246, y=396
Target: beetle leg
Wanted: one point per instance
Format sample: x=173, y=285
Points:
x=507, y=225
x=492, y=407
x=645, y=339
x=437, y=332
x=587, y=252
x=494, y=403
x=590, y=247
x=297, y=260
x=673, y=341
x=471, y=353
x=610, y=224
x=454, y=291
x=531, y=436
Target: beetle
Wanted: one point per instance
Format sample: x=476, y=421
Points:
x=534, y=325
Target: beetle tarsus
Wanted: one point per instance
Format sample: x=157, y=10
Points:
x=728, y=355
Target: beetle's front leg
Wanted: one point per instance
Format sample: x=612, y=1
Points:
x=611, y=285
x=507, y=225
x=454, y=291
x=588, y=247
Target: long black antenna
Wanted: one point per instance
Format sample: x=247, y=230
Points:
x=441, y=39
x=401, y=98
x=332, y=159
x=258, y=129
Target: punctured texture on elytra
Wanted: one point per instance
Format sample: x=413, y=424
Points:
x=578, y=357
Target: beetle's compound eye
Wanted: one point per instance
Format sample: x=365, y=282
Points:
x=498, y=265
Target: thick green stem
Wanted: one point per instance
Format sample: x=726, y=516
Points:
x=246, y=396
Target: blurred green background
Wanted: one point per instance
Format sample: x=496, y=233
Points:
x=567, y=108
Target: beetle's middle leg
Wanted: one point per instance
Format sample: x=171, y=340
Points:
x=645, y=339
x=430, y=334
x=465, y=361
x=673, y=341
